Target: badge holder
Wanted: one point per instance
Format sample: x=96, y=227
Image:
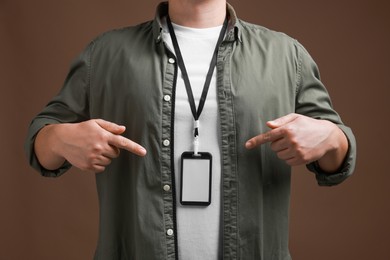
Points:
x=195, y=179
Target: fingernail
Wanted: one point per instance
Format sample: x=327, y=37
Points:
x=142, y=151
x=121, y=128
x=249, y=145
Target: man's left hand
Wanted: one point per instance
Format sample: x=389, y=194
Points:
x=299, y=139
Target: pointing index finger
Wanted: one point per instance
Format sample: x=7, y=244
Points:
x=126, y=144
x=266, y=137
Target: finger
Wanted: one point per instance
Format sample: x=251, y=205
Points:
x=281, y=121
x=124, y=143
x=102, y=161
x=285, y=155
x=97, y=169
x=294, y=161
x=279, y=145
x=266, y=137
x=94, y=168
x=112, y=152
x=110, y=127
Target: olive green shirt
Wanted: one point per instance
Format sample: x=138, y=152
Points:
x=123, y=77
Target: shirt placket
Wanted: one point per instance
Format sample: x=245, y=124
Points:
x=167, y=144
x=228, y=151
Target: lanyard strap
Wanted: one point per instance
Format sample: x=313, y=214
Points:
x=196, y=112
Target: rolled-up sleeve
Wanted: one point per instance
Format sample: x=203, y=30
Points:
x=313, y=100
x=71, y=105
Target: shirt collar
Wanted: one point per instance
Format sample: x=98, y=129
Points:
x=233, y=32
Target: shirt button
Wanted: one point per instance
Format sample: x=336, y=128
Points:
x=167, y=187
x=166, y=142
x=167, y=98
x=171, y=60
x=170, y=232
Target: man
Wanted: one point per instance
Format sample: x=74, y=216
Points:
x=138, y=98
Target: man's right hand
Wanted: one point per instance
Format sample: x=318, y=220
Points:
x=89, y=145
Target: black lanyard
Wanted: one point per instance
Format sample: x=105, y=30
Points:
x=196, y=113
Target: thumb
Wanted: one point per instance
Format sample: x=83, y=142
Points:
x=110, y=127
x=281, y=121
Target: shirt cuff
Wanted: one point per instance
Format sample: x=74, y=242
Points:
x=346, y=169
x=35, y=127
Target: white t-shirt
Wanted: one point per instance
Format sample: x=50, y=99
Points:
x=198, y=227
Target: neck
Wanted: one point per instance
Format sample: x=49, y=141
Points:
x=197, y=13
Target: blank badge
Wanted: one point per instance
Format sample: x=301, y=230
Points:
x=195, y=179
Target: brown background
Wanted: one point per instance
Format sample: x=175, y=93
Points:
x=45, y=218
